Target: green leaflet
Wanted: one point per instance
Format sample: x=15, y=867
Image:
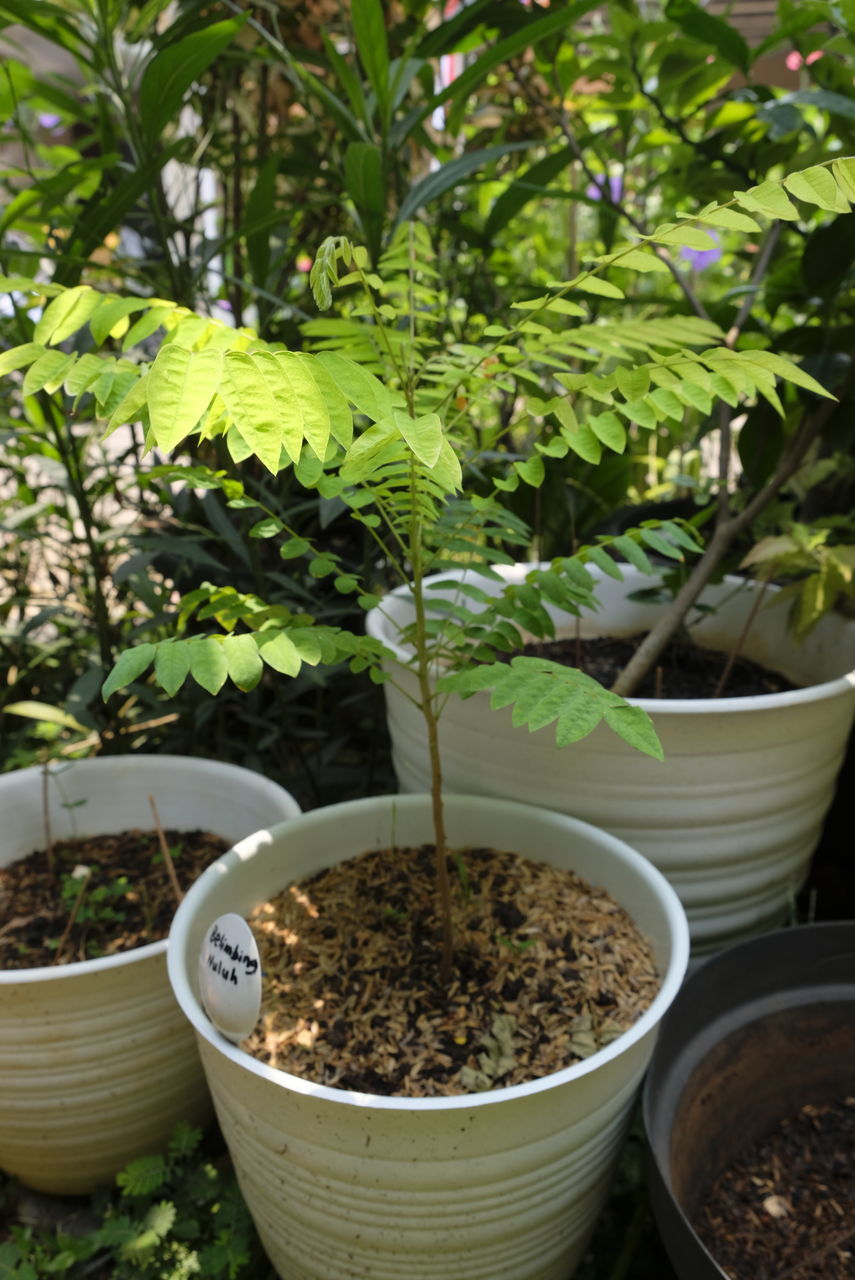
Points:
x=729, y=220
x=87, y=370
x=254, y=409
x=48, y=372
x=608, y=429
x=337, y=407
x=129, y=667
x=634, y=725
x=172, y=665
x=632, y=383
x=768, y=198
x=18, y=357
x=817, y=186
x=359, y=386
x=279, y=652
x=208, y=664
x=423, y=435
x=179, y=388
x=544, y=692
x=111, y=313
x=67, y=313
x=243, y=661
x=277, y=407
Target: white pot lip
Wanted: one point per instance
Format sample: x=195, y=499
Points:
x=379, y=627
x=671, y=980
x=136, y=955
x=67, y=972
x=106, y=764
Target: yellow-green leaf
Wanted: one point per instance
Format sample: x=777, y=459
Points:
x=172, y=665
x=244, y=664
x=729, y=220
x=768, y=198
x=45, y=713
x=17, y=357
x=47, y=373
x=208, y=665
x=180, y=386
x=817, y=186
x=608, y=428
x=67, y=313
x=252, y=406
x=603, y=288
x=279, y=652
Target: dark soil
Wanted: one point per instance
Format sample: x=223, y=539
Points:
x=685, y=670
x=786, y=1209
x=128, y=900
x=547, y=971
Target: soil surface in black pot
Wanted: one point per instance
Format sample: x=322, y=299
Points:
x=127, y=900
x=786, y=1209
x=684, y=669
x=547, y=971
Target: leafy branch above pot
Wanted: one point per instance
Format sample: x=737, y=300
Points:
x=547, y=383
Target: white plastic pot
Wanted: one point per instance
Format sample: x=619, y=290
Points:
x=503, y=1185
x=97, y=1064
x=733, y=815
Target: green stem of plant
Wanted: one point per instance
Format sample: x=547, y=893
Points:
x=428, y=709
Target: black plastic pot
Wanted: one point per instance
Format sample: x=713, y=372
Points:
x=756, y=1033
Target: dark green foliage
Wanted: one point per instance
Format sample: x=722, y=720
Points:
x=170, y=1217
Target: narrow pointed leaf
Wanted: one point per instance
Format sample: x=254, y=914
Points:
x=423, y=435
x=768, y=198
x=172, y=665
x=634, y=725
x=256, y=412
x=208, y=665
x=817, y=186
x=244, y=663
x=129, y=667
x=47, y=373
x=18, y=357
x=67, y=313
x=359, y=386
x=280, y=653
x=180, y=386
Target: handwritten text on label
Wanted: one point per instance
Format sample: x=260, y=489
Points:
x=230, y=976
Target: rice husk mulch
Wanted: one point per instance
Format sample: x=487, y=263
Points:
x=548, y=969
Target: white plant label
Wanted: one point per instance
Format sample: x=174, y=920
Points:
x=230, y=976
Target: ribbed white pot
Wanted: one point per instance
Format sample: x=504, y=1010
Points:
x=504, y=1185
x=97, y=1063
x=733, y=815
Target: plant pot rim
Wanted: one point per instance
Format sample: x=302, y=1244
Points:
x=790, y=971
x=136, y=955
x=339, y=814
x=379, y=627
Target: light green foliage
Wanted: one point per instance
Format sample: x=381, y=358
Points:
x=170, y=1217
x=822, y=575
x=379, y=416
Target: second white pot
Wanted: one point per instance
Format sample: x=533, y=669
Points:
x=97, y=1064
x=733, y=815
x=502, y=1185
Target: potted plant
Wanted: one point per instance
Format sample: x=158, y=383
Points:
x=97, y=1065
x=401, y=478
x=756, y=1052
x=735, y=818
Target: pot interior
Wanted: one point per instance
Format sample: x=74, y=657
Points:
x=758, y=1075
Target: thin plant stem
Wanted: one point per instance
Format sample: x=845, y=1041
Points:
x=167, y=855
x=72, y=915
x=46, y=818
x=740, y=639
